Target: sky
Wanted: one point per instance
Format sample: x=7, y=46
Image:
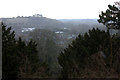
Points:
x=55, y=9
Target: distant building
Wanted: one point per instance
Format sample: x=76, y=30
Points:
x=37, y=15
x=59, y=32
x=27, y=29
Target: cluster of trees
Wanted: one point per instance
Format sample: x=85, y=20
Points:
x=19, y=59
x=89, y=55
x=48, y=48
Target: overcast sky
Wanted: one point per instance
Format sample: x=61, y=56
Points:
x=55, y=9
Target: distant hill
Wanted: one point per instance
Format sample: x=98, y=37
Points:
x=79, y=21
x=21, y=24
x=32, y=21
x=67, y=28
x=40, y=22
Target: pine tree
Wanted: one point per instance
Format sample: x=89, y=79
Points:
x=74, y=59
x=111, y=18
x=28, y=55
x=19, y=58
x=10, y=62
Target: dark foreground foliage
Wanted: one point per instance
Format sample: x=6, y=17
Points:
x=19, y=59
x=89, y=55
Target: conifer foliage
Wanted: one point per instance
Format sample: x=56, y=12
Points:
x=9, y=59
x=89, y=54
x=73, y=59
x=17, y=56
x=111, y=18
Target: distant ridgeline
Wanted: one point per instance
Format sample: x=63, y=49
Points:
x=65, y=27
x=36, y=21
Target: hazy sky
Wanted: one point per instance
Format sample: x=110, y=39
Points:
x=55, y=9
